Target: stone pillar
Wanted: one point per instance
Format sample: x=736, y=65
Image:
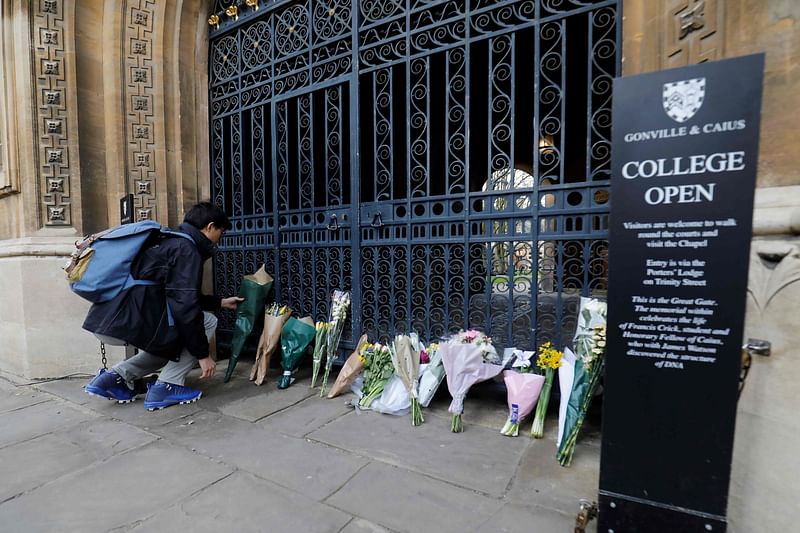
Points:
x=660, y=34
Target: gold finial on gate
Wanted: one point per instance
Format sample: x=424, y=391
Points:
x=252, y=4
x=233, y=12
x=213, y=20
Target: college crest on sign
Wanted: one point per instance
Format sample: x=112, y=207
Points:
x=682, y=99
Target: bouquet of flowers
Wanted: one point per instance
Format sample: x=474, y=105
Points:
x=378, y=368
x=432, y=376
x=549, y=360
x=339, y=304
x=523, y=391
x=590, y=345
x=479, y=339
x=350, y=370
x=321, y=339
x=254, y=289
x=465, y=365
x=274, y=319
x=406, y=366
x=295, y=338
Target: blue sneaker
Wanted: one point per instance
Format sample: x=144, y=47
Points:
x=110, y=385
x=161, y=394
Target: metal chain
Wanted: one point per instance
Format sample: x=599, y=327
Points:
x=103, y=355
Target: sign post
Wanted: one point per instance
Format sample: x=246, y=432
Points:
x=685, y=154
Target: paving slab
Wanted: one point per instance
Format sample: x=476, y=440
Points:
x=38, y=419
x=243, y=502
x=359, y=525
x=479, y=458
x=514, y=518
x=17, y=398
x=68, y=389
x=116, y=493
x=105, y=437
x=266, y=400
x=309, y=468
x=308, y=415
x=542, y=481
x=406, y=501
x=28, y=464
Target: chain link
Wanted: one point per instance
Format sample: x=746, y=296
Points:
x=103, y=355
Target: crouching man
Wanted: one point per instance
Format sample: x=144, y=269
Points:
x=168, y=321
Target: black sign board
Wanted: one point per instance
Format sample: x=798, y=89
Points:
x=685, y=154
x=126, y=209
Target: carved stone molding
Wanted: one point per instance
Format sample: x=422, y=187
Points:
x=692, y=32
x=140, y=120
x=51, y=86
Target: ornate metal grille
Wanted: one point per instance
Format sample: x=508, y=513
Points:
x=446, y=161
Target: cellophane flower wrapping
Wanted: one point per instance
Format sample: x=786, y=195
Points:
x=378, y=368
x=340, y=303
x=566, y=377
x=590, y=344
x=320, y=344
x=549, y=360
x=464, y=365
x=296, y=335
x=254, y=289
x=350, y=370
x=274, y=319
x=432, y=376
x=522, y=392
x=406, y=366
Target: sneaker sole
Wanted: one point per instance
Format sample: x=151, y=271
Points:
x=96, y=395
x=160, y=407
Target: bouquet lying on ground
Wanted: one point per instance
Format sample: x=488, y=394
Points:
x=406, y=366
x=295, y=338
x=465, y=365
x=254, y=290
x=432, y=376
x=549, y=360
x=378, y=368
x=350, y=370
x=590, y=345
x=320, y=343
x=340, y=302
x=523, y=390
x=274, y=319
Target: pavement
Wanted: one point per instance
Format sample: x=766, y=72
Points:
x=247, y=458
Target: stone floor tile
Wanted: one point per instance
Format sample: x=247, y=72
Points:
x=479, y=458
x=242, y=503
x=266, y=400
x=116, y=493
x=309, y=468
x=514, y=518
x=104, y=437
x=406, y=501
x=17, y=398
x=38, y=419
x=308, y=415
x=359, y=525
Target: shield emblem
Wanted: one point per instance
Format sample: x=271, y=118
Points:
x=682, y=99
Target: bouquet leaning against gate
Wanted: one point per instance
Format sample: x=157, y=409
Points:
x=468, y=358
x=340, y=302
x=378, y=368
x=351, y=368
x=295, y=338
x=590, y=346
x=523, y=388
x=406, y=366
x=274, y=319
x=549, y=360
x=320, y=346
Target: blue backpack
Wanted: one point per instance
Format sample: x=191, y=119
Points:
x=100, y=267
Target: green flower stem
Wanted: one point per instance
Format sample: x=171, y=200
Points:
x=537, y=430
x=416, y=413
x=328, y=366
x=456, y=426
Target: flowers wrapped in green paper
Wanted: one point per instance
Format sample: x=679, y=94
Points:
x=590, y=345
x=295, y=338
x=254, y=289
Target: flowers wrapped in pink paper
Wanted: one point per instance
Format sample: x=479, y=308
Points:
x=464, y=366
x=523, y=392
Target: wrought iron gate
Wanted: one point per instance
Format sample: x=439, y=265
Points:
x=445, y=160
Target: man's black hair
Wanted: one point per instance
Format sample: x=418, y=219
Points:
x=204, y=213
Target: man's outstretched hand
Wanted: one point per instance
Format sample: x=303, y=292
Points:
x=231, y=303
x=208, y=366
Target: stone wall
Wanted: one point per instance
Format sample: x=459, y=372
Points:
x=115, y=103
x=660, y=34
